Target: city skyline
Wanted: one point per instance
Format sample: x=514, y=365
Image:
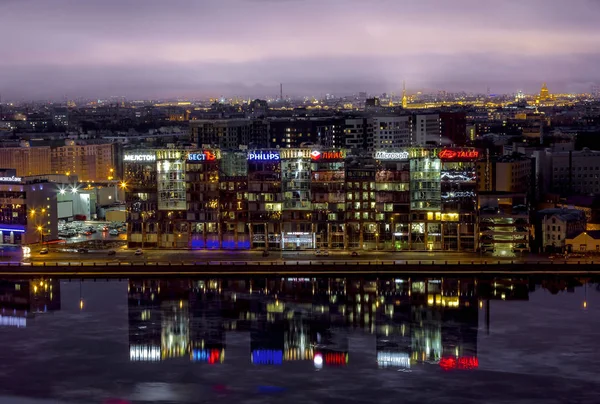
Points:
x=248, y=47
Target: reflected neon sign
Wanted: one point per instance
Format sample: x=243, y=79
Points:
x=267, y=357
x=332, y=358
x=463, y=363
x=210, y=356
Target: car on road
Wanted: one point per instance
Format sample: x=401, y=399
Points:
x=44, y=251
x=265, y=253
x=83, y=250
x=139, y=251
x=354, y=254
x=112, y=252
x=322, y=253
x=114, y=232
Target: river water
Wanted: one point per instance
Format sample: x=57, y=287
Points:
x=301, y=340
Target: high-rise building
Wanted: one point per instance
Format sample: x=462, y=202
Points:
x=426, y=130
x=358, y=134
x=391, y=132
x=225, y=134
x=511, y=173
x=454, y=127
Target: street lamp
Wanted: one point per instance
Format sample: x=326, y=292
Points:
x=41, y=230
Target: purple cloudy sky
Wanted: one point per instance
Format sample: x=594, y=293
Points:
x=198, y=48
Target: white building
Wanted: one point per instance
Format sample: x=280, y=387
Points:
x=427, y=130
x=560, y=224
x=390, y=132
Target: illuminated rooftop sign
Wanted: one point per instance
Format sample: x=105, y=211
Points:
x=139, y=157
x=264, y=156
x=397, y=155
x=316, y=155
x=295, y=153
x=205, y=155
x=458, y=154
x=12, y=178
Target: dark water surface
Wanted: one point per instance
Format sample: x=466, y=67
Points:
x=305, y=340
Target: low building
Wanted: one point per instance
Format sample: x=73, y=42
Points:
x=584, y=242
x=28, y=209
x=557, y=225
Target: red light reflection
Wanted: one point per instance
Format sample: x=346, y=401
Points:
x=464, y=363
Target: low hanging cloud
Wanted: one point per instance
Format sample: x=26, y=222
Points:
x=247, y=47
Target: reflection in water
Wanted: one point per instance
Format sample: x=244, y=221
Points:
x=21, y=300
x=411, y=321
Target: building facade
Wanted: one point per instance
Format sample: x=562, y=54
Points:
x=302, y=198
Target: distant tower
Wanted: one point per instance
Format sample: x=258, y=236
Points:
x=544, y=93
x=404, y=99
x=281, y=91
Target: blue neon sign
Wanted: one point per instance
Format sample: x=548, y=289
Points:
x=267, y=357
x=264, y=156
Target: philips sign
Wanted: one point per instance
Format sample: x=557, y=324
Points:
x=139, y=157
x=264, y=156
x=384, y=155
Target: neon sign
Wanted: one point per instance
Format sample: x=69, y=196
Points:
x=264, y=156
x=210, y=356
x=384, y=155
x=393, y=359
x=333, y=358
x=328, y=155
x=206, y=155
x=460, y=154
x=267, y=357
x=463, y=363
x=139, y=157
x=10, y=179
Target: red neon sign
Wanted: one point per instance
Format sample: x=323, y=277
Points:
x=334, y=358
x=451, y=154
x=209, y=155
x=463, y=363
x=327, y=155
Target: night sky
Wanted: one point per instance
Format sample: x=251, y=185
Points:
x=192, y=48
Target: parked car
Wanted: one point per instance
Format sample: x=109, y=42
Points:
x=139, y=251
x=114, y=232
x=44, y=251
x=322, y=253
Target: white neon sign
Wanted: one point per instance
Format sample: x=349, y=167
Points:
x=139, y=157
x=10, y=179
x=384, y=155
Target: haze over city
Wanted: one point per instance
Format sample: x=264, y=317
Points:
x=158, y=49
